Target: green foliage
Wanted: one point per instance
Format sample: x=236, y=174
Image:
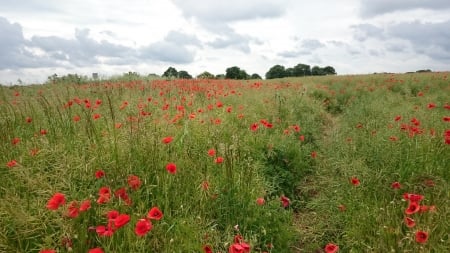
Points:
x=236, y=73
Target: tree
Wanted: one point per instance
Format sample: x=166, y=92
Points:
x=205, y=75
x=328, y=70
x=302, y=70
x=289, y=72
x=255, y=76
x=236, y=73
x=184, y=75
x=277, y=71
x=170, y=73
x=317, y=71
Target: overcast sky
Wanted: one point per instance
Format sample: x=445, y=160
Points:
x=39, y=38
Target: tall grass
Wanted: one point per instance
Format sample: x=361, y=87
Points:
x=301, y=139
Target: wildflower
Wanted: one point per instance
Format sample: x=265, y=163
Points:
x=313, y=154
x=421, y=236
x=167, y=140
x=446, y=118
x=121, y=220
x=431, y=105
x=28, y=120
x=15, y=141
x=11, y=163
x=47, y=251
x=285, y=201
x=409, y=222
x=104, y=195
x=212, y=152
x=260, y=201
x=413, y=207
x=207, y=249
x=171, y=168
x=104, y=231
x=73, y=209
x=134, y=182
x=142, y=227
x=85, y=205
x=121, y=193
x=57, y=200
x=301, y=138
x=96, y=250
x=355, y=181
x=393, y=138
x=99, y=174
x=155, y=214
x=395, y=185
x=342, y=208
x=331, y=248
x=398, y=118
x=43, y=132
x=219, y=160
x=96, y=116
x=254, y=127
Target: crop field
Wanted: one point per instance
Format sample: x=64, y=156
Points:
x=312, y=164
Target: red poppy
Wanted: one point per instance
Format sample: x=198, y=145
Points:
x=409, y=222
x=219, y=160
x=28, y=120
x=207, y=249
x=76, y=118
x=205, y=185
x=85, y=205
x=212, y=152
x=254, y=127
x=57, y=200
x=43, y=132
x=134, y=182
x=96, y=116
x=104, y=195
x=431, y=105
x=112, y=215
x=342, y=208
x=413, y=207
x=260, y=201
x=355, y=181
x=99, y=174
x=235, y=248
x=73, y=209
x=446, y=118
x=285, y=201
x=96, y=250
x=167, y=140
x=171, y=168
x=11, y=163
x=47, y=251
x=155, y=214
x=395, y=185
x=393, y=138
x=142, y=227
x=398, y=118
x=104, y=231
x=331, y=248
x=15, y=141
x=313, y=154
x=421, y=236
x=121, y=193
x=301, y=138
x=121, y=220
x=414, y=197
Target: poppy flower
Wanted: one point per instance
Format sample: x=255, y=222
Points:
x=28, y=120
x=398, y=118
x=73, y=209
x=11, y=163
x=446, y=118
x=155, y=214
x=167, y=140
x=121, y=220
x=104, y=195
x=254, y=127
x=47, y=251
x=134, y=182
x=413, y=207
x=421, y=236
x=171, y=168
x=205, y=185
x=395, y=185
x=112, y=215
x=85, y=205
x=96, y=116
x=207, y=249
x=235, y=248
x=15, y=141
x=342, y=208
x=96, y=250
x=409, y=222
x=285, y=201
x=43, y=131
x=313, y=154
x=260, y=201
x=212, y=152
x=142, y=227
x=355, y=181
x=331, y=248
x=104, y=231
x=99, y=174
x=57, y=200
x=219, y=160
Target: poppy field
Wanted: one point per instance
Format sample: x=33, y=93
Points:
x=313, y=164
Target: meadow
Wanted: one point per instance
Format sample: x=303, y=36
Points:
x=313, y=164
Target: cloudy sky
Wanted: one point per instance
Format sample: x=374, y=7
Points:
x=39, y=38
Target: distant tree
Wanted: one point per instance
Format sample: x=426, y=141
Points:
x=317, y=71
x=220, y=76
x=236, y=73
x=205, y=75
x=423, y=70
x=289, y=72
x=153, y=76
x=184, y=75
x=255, y=76
x=328, y=70
x=277, y=71
x=171, y=72
x=302, y=70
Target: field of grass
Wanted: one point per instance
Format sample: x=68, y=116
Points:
x=314, y=164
